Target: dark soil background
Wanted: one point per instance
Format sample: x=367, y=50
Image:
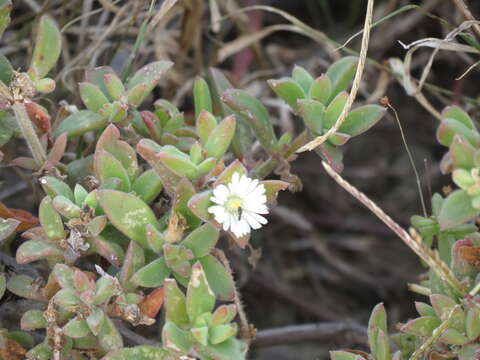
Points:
x=325, y=259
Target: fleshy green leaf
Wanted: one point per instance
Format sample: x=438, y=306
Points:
x=201, y=96
x=5, y=9
x=33, y=250
x=456, y=209
x=422, y=326
x=7, y=228
x=202, y=240
x=289, y=91
x=53, y=187
x=200, y=298
x=256, y=115
x=79, y=123
x=142, y=352
x=302, y=77
x=312, y=112
x=107, y=167
x=152, y=275
x=321, y=89
x=148, y=186
x=92, y=96
x=76, y=328
x=174, y=338
x=220, y=281
x=220, y=138
x=109, y=339
x=377, y=322
x=175, y=303
x=334, y=109
x=50, y=219
x=32, y=320
x=455, y=112
x=361, y=119
x=24, y=286
x=127, y=213
x=47, y=47
x=341, y=73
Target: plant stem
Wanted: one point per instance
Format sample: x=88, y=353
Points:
x=29, y=133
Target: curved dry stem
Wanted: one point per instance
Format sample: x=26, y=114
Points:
x=356, y=84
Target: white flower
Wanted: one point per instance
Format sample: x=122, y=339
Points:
x=239, y=204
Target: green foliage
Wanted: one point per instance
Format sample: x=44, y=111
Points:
x=125, y=226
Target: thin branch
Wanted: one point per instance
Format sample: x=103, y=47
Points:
x=386, y=102
x=309, y=332
x=467, y=14
x=356, y=84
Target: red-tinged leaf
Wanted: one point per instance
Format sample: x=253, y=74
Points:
x=127, y=213
x=152, y=303
x=272, y=187
x=332, y=155
x=25, y=163
x=107, y=167
x=153, y=124
x=26, y=219
x=24, y=286
x=288, y=90
x=462, y=153
x=34, y=250
x=39, y=116
x=224, y=314
x=33, y=320
x=206, y=123
x=35, y=233
x=422, y=326
x=321, y=89
x=226, y=176
x=183, y=193
x=82, y=281
x=58, y=149
x=114, y=85
x=199, y=204
x=47, y=49
x=111, y=251
x=134, y=260
x=149, y=151
x=7, y=227
x=220, y=138
x=255, y=113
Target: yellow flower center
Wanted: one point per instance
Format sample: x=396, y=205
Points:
x=233, y=204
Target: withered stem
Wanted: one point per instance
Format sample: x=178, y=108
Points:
x=28, y=132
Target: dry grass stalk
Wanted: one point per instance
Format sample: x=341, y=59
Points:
x=356, y=84
x=413, y=240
